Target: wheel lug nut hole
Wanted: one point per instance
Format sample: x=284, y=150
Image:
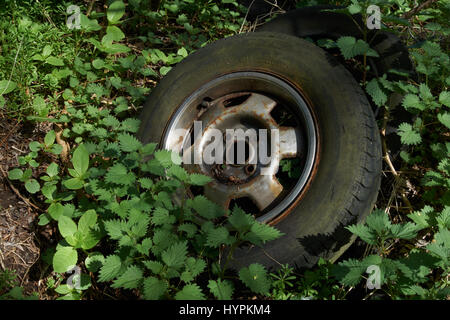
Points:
x=250, y=169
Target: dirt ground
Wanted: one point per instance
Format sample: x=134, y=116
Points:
x=19, y=241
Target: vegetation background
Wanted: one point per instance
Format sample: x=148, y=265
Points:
x=77, y=189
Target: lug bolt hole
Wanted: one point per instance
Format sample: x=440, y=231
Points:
x=250, y=169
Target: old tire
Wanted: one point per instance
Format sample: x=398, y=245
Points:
x=342, y=183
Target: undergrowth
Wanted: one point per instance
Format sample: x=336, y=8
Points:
x=125, y=221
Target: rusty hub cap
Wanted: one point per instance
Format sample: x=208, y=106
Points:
x=244, y=174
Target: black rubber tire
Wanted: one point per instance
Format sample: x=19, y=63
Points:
x=315, y=23
x=345, y=186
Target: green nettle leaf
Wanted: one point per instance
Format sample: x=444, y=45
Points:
x=161, y=216
x=444, y=98
x=148, y=149
x=363, y=232
x=350, y=47
x=80, y=160
x=377, y=94
x=199, y=179
x=32, y=186
x=114, y=228
x=118, y=174
x=154, y=266
x=221, y=289
x=255, y=277
x=206, y=208
x=349, y=272
x=179, y=173
x=412, y=101
x=7, y=86
x=190, y=292
x=260, y=233
x=423, y=218
x=379, y=221
x=444, y=118
x=115, y=12
x=154, y=288
x=146, y=183
x=110, y=268
x=128, y=143
x=404, y=231
x=408, y=135
x=175, y=256
x=240, y=221
x=189, y=228
x=166, y=158
x=130, y=279
x=217, y=237
x=15, y=174
x=64, y=259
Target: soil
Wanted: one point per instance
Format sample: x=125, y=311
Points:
x=19, y=242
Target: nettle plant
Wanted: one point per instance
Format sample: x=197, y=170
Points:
x=422, y=273
x=123, y=213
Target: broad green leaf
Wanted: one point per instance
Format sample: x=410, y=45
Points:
x=115, y=12
x=87, y=221
x=49, y=138
x=74, y=184
x=52, y=169
x=67, y=227
x=80, y=160
x=64, y=259
x=56, y=210
x=7, y=86
x=32, y=186
x=54, y=61
x=114, y=33
x=15, y=174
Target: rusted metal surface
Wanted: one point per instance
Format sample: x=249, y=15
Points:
x=237, y=181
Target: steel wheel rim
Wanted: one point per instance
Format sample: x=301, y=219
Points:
x=253, y=83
